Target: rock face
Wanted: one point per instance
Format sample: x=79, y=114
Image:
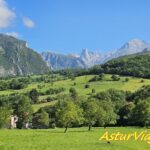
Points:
x=132, y=47
x=17, y=59
x=88, y=59
x=58, y=61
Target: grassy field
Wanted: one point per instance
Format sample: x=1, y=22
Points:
x=74, y=139
x=37, y=106
x=132, y=85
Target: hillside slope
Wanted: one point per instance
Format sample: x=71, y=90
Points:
x=134, y=65
x=17, y=59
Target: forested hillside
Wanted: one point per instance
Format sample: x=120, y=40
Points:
x=137, y=65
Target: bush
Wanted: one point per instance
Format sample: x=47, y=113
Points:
x=87, y=86
x=93, y=91
x=115, y=77
x=126, y=79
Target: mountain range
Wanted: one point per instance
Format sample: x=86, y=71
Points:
x=88, y=59
x=16, y=58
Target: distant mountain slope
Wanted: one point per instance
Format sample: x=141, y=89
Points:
x=58, y=61
x=88, y=59
x=17, y=59
x=134, y=65
x=132, y=47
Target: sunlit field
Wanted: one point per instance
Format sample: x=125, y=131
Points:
x=74, y=139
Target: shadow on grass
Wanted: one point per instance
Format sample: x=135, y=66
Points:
x=62, y=131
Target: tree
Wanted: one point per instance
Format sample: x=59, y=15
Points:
x=73, y=93
x=115, y=77
x=101, y=76
x=125, y=114
x=90, y=112
x=41, y=119
x=5, y=115
x=87, y=86
x=93, y=91
x=110, y=115
x=68, y=113
x=117, y=97
x=23, y=110
x=16, y=84
x=126, y=79
x=33, y=94
x=141, y=113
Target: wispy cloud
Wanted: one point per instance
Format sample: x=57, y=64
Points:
x=28, y=22
x=14, y=34
x=6, y=14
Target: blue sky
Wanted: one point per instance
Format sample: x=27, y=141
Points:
x=67, y=26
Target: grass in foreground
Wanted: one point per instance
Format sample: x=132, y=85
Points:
x=74, y=139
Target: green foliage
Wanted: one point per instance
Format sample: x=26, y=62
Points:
x=93, y=91
x=41, y=119
x=117, y=97
x=141, y=94
x=52, y=91
x=115, y=77
x=23, y=110
x=97, y=78
x=141, y=113
x=90, y=112
x=126, y=79
x=5, y=115
x=73, y=93
x=133, y=65
x=125, y=114
x=68, y=113
x=87, y=86
x=33, y=94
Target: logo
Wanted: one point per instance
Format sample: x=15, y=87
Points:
x=143, y=136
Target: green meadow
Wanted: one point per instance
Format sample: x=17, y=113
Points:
x=132, y=85
x=74, y=139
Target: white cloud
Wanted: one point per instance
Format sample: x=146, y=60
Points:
x=6, y=14
x=14, y=34
x=28, y=22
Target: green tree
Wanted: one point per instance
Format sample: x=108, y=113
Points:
x=141, y=113
x=73, y=93
x=110, y=115
x=23, y=110
x=93, y=91
x=41, y=119
x=115, y=77
x=90, y=112
x=68, y=113
x=101, y=76
x=33, y=94
x=5, y=115
x=125, y=114
x=87, y=86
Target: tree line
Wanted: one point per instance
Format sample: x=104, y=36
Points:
x=102, y=109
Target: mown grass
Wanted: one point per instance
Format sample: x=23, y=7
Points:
x=74, y=139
